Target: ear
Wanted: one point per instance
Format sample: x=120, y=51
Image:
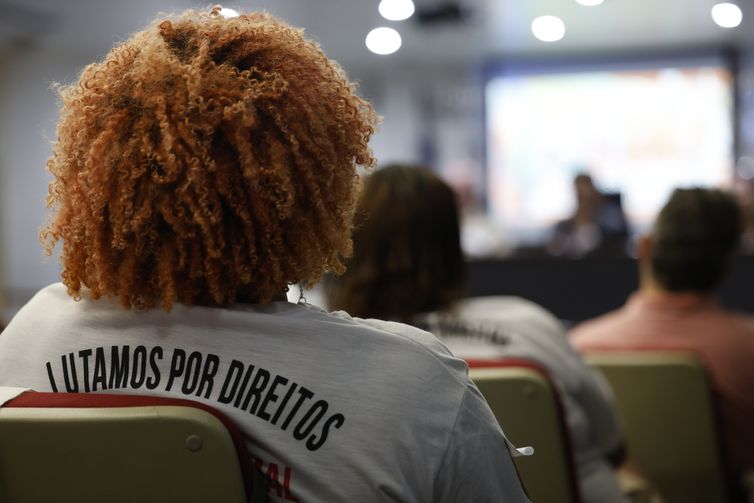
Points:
x=644, y=247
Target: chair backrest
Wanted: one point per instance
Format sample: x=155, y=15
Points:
x=118, y=448
x=528, y=408
x=672, y=436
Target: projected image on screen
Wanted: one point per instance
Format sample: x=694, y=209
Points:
x=637, y=132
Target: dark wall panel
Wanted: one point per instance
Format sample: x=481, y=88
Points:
x=577, y=290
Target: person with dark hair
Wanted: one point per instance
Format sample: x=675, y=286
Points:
x=209, y=162
x=598, y=226
x=681, y=263
x=420, y=267
x=408, y=266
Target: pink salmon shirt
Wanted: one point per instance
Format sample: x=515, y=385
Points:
x=723, y=339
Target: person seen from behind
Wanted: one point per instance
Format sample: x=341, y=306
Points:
x=206, y=164
x=408, y=267
x=682, y=262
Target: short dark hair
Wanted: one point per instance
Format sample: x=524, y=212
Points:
x=407, y=254
x=694, y=236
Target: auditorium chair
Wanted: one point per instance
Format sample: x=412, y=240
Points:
x=82, y=448
x=528, y=408
x=670, y=422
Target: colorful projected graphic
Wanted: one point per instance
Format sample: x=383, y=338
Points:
x=640, y=133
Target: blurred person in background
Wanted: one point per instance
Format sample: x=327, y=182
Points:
x=408, y=267
x=206, y=164
x=597, y=227
x=480, y=237
x=681, y=263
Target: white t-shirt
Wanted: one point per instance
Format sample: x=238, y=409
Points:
x=501, y=326
x=336, y=409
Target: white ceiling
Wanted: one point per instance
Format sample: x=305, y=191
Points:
x=494, y=28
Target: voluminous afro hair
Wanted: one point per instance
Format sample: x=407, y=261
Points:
x=206, y=161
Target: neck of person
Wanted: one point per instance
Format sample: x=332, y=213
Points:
x=648, y=285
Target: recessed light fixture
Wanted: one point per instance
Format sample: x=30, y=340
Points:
x=548, y=28
x=383, y=40
x=727, y=15
x=396, y=10
x=589, y=3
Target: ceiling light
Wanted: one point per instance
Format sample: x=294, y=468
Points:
x=548, y=28
x=383, y=40
x=589, y=3
x=727, y=15
x=396, y=10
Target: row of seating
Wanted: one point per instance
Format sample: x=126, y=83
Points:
x=116, y=448
x=667, y=410
x=87, y=448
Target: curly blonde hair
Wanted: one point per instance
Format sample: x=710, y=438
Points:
x=206, y=161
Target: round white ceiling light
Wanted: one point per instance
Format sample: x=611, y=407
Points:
x=727, y=15
x=396, y=10
x=548, y=28
x=589, y=3
x=383, y=40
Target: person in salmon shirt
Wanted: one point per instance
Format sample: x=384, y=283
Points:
x=681, y=263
